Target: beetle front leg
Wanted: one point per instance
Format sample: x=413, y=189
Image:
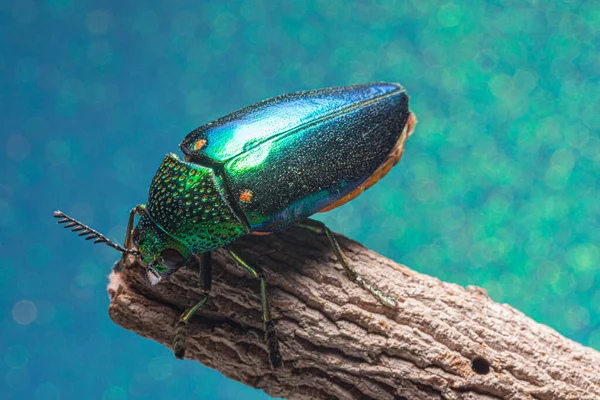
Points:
x=137, y=210
x=205, y=266
x=270, y=335
x=128, y=243
x=319, y=227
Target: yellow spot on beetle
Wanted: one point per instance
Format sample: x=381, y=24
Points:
x=246, y=196
x=199, y=144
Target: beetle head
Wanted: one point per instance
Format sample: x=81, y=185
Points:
x=160, y=252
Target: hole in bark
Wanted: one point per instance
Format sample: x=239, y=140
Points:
x=480, y=365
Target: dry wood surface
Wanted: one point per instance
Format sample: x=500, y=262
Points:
x=337, y=341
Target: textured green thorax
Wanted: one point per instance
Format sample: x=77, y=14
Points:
x=187, y=207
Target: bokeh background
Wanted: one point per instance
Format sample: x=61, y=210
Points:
x=498, y=187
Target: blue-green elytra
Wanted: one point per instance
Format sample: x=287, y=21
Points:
x=264, y=168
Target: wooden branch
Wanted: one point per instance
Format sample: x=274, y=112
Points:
x=337, y=341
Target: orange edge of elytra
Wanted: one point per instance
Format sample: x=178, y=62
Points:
x=385, y=167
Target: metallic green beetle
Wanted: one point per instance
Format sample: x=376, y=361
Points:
x=261, y=169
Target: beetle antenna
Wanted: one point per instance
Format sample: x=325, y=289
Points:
x=90, y=233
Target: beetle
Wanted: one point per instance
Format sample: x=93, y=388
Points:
x=261, y=169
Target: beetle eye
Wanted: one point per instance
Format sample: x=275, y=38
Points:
x=135, y=236
x=172, y=259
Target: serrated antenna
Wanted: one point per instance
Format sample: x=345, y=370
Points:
x=89, y=233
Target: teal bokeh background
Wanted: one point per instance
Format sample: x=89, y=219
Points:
x=498, y=187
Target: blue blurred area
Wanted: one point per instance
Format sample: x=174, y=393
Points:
x=498, y=187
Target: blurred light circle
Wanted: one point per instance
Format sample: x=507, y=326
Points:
x=24, y=312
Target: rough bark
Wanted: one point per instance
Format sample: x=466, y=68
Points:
x=337, y=341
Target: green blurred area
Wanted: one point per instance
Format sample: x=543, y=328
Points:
x=497, y=187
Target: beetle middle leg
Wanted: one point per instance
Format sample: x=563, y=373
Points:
x=270, y=335
x=205, y=266
x=319, y=227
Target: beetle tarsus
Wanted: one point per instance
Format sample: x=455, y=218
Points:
x=319, y=227
x=272, y=345
x=383, y=297
x=179, y=340
x=204, y=264
x=181, y=327
x=270, y=335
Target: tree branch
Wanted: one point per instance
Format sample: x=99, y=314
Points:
x=337, y=341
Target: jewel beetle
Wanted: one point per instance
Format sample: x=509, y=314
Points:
x=261, y=169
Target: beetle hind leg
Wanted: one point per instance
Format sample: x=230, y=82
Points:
x=270, y=335
x=319, y=227
x=182, y=324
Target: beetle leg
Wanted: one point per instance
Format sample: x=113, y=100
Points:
x=270, y=335
x=128, y=243
x=205, y=266
x=319, y=227
x=137, y=210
